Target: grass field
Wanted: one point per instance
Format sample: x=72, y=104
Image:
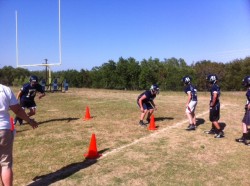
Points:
x=53, y=154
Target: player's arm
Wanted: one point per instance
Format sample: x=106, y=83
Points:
x=19, y=94
x=140, y=102
x=17, y=109
x=41, y=95
x=189, y=98
x=248, y=103
x=153, y=104
x=41, y=91
x=215, y=95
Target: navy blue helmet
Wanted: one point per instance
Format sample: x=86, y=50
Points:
x=33, y=79
x=186, y=80
x=246, y=81
x=212, y=78
x=155, y=88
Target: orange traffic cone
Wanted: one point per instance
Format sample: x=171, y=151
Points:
x=12, y=124
x=87, y=114
x=92, y=154
x=152, y=123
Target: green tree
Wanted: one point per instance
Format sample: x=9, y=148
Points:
x=109, y=76
x=204, y=68
x=149, y=72
x=134, y=73
x=175, y=69
x=96, y=77
x=128, y=71
x=86, y=77
x=7, y=75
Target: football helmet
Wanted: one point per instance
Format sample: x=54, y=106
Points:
x=246, y=81
x=33, y=79
x=155, y=88
x=212, y=78
x=186, y=79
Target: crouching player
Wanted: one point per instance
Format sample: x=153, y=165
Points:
x=146, y=103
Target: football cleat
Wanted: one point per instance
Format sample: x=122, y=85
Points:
x=241, y=140
x=142, y=124
x=219, y=135
x=212, y=131
x=190, y=127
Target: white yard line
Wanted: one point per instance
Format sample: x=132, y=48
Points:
x=157, y=132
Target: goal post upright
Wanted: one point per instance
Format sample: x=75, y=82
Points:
x=16, y=39
x=59, y=32
x=59, y=43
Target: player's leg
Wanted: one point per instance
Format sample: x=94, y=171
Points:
x=245, y=120
x=32, y=111
x=7, y=175
x=215, y=120
x=190, y=119
x=190, y=115
x=24, y=105
x=243, y=138
x=6, y=146
x=150, y=112
x=194, y=119
x=145, y=111
x=17, y=119
x=211, y=118
x=142, y=117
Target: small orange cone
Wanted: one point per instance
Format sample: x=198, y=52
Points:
x=152, y=123
x=87, y=114
x=93, y=153
x=12, y=124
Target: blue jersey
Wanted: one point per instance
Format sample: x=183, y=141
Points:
x=29, y=92
x=248, y=96
x=192, y=90
x=215, y=89
x=149, y=96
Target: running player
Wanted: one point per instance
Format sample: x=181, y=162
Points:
x=27, y=97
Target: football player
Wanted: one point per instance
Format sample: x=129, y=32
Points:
x=191, y=92
x=246, y=118
x=27, y=96
x=146, y=103
x=214, y=104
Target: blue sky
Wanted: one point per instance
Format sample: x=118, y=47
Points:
x=96, y=31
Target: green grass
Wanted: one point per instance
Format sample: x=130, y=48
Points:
x=132, y=155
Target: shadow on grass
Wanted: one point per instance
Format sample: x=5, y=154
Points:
x=59, y=119
x=63, y=173
x=200, y=121
x=222, y=125
x=20, y=131
x=47, y=121
x=163, y=118
x=51, y=120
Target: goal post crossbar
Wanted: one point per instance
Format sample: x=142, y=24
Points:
x=34, y=65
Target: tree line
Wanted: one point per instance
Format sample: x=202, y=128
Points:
x=130, y=74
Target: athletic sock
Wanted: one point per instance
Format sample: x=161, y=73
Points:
x=244, y=135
